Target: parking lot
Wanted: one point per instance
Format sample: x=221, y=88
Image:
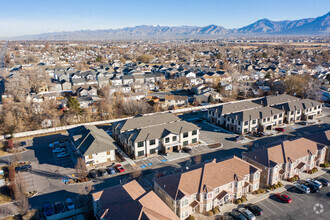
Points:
x=66, y=161
x=303, y=206
x=143, y=163
x=28, y=179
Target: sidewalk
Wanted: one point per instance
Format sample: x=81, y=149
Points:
x=126, y=157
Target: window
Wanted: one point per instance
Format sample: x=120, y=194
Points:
x=280, y=121
x=209, y=196
x=140, y=153
x=275, y=116
x=291, y=112
x=152, y=142
x=167, y=140
x=194, y=132
x=246, y=123
x=298, y=112
x=254, y=121
x=257, y=176
x=174, y=138
x=268, y=119
x=194, y=140
x=245, y=130
x=108, y=152
x=185, y=134
x=216, y=190
x=152, y=151
x=90, y=156
x=239, y=122
x=185, y=143
x=232, y=120
x=184, y=202
x=280, y=115
x=140, y=144
x=264, y=120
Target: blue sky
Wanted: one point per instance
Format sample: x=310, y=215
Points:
x=20, y=17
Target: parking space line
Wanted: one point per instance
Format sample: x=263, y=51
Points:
x=296, y=197
x=262, y=204
x=274, y=204
x=158, y=160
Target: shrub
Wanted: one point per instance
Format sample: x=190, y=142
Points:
x=215, y=210
x=210, y=213
x=257, y=191
x=324, y=165
x=238, y=201
x=243, y=199
x=280, y=184
x=191, y=217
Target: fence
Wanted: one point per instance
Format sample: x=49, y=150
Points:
x=64, y=128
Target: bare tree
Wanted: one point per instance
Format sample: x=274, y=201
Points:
x=20, y=194
x=81, y=169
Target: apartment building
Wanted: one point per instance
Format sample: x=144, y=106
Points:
x=207, y=186
x=259, y=119
x=217, y=115
x=265, y=113
x=171, y=101
x=295, y=109
x=286, y=159
x=93, y=144
x=147, y=135
x=130, y=201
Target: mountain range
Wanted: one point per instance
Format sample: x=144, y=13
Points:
x=263, y=27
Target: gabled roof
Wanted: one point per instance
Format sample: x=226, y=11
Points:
x=258, y=113
x=205, y=177
x=89, y=140
x=236, y=107
x=131, y=201
x=140, y=121
x=277, y=99
x=160, y=131
x=287, y=151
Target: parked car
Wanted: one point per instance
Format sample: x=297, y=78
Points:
x=256, y=210
x=24, y=168
x=279, y=129
x=52, y=145
x=302, y=123
x=59, y=207
x=302, y=188
x=324, y=181
x=63, y=154
x=312, y=187
x=109, y=132
x=283, y=198
x=120, y=168
x=314, y=182
x=47, y=209
x=23, y=143
x=204, y=110
x=69, y=204
x=239, y=138
x=258, y=134
x=92, y=174
x=199, y=120
x=59, y=150
x=237, y=215
x=111, y=170
x=186, y=149
x=247, y=213
x=101, y=172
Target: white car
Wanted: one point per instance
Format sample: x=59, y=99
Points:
x=59, y=150
x=63, y=154
x=69, y=204
x=204, y=110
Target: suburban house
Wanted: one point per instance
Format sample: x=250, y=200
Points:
x=130, y=201
x=146, y=135
x=207, y=186
x=93, y=144
x=287, y=159
x=259, y=119
x=171, y=101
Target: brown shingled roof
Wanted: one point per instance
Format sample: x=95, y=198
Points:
x=206, y=177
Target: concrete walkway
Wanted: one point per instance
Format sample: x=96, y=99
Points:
x=126, y=157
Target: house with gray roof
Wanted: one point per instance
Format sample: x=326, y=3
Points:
x=93, y=144
x=142, y=136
